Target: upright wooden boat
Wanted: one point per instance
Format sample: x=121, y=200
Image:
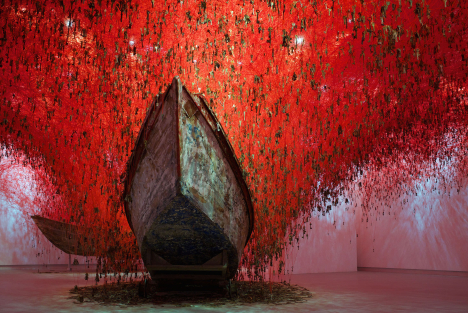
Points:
x=185, y=196
x=65, y=236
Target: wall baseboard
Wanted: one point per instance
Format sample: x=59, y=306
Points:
x=412, y=271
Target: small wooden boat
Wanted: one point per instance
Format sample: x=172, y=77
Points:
x=185, y=197
x=65, y=236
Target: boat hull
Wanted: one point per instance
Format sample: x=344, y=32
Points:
x=186, y=199
x=65, y=236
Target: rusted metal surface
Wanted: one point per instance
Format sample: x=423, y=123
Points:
x=65, y=236
x=186, y=199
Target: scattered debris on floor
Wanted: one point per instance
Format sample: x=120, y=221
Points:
x=247, y=293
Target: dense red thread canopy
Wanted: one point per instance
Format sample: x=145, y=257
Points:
x=311, y=93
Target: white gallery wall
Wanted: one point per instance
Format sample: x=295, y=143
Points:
x=428, y=232
x=329, y=246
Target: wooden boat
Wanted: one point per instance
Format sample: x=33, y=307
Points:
x=185, y=196
x=65, y=236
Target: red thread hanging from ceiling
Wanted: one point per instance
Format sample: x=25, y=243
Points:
x=310, y=93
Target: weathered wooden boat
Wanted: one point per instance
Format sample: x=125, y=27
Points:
x=185, y=196
x=66, y=237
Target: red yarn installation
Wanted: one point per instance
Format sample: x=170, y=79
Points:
x=310, y=93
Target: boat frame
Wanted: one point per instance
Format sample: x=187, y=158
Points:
x=215, y=268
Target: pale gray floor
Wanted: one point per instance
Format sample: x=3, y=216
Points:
x=22, y=289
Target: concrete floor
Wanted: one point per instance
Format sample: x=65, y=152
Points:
x=23, y=289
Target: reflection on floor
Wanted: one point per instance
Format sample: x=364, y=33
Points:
x=24, y=289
